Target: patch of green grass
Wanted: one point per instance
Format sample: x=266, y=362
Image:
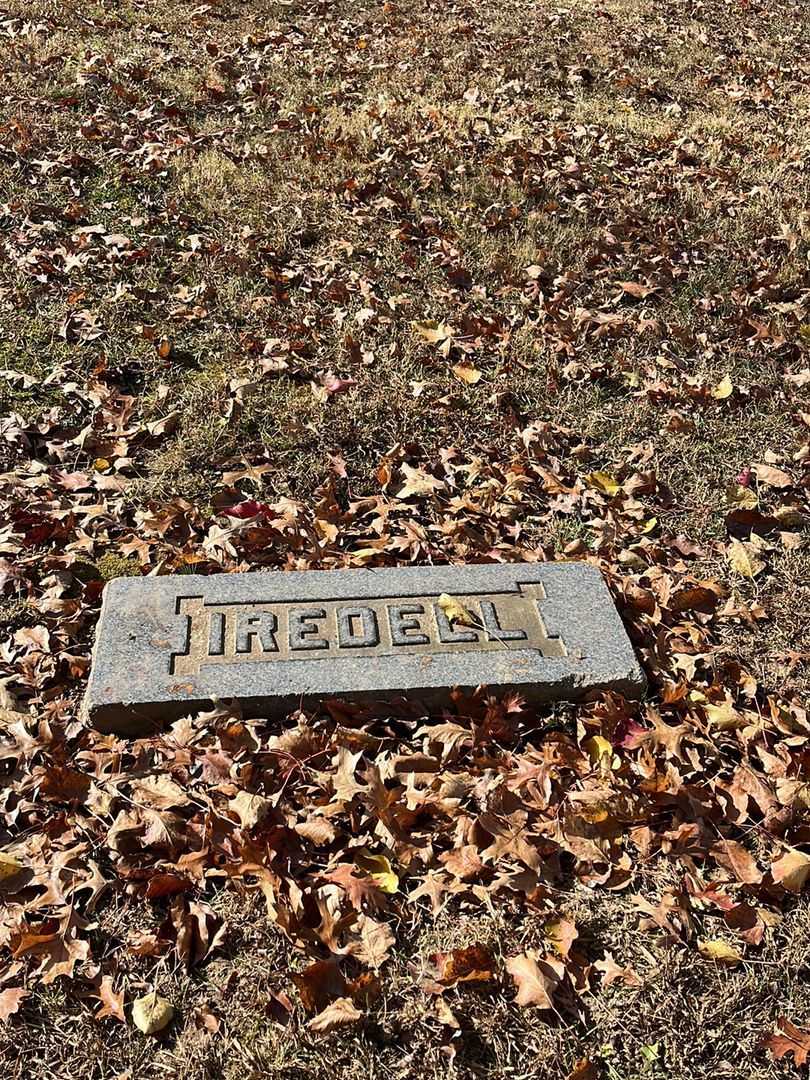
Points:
x=114, y=566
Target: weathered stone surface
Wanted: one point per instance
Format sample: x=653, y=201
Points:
x=169, y=645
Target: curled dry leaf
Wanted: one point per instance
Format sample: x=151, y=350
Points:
x=379, y=870
x=341, y=1013
x=724, y=389
x=719, y=951
x=11, y=870
x=473, y=964
x=584, y=1069
x=775, y=478
x=561, y=933
x=466, y=373
x=319, y=984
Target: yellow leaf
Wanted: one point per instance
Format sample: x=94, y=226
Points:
x=792, y=870
x=433, y=332
x=790, y=518
x=9, y=867
x=743, y=561
x=719, y=951
x=744, y=497
x=152, y=1013
x=725, y=717
x=100, y=464
x=455, y=611
x=724, y=389
x=466, y=373
x=365, y=553
x=599, y=749
x=379, y=869
x=607, y=484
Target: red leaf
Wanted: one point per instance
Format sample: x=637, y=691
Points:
x=248, y=509
x=166, y=885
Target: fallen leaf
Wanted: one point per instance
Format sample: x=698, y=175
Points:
x=536, y=980
x=788, y=1039
x=317, y=831
x=10, y=868
x=634, y=288
x=341, y=1013
x=434, y=333
x=159, y=792
x=775, y=478
x=561, y=933
x=418, y=482
x=719, y=951
x=475, y=963
x=372, y=943
x=251, y=809
x=152, y=1013
x=791, y=870
x=112, y=1004
x=379, y=870
x=724, y=389
x=319, y=984
x=466, y=373
x=605, y=483
x=741, y=560
x=584, y=1070
x=334, y=385
x=10, y=1001
x=455, y=611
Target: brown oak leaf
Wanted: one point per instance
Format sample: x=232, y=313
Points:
x=788, y=1039
x=536, y=980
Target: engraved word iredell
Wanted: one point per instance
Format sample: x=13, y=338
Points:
x=329, y=629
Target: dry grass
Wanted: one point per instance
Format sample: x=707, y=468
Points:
x=689, y=1020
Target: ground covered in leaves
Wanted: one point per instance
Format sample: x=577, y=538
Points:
x=289, y=285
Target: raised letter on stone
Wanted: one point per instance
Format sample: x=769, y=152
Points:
x=400, y=624
x=302, y=630
x=368, y=633
x=216, y=634
x=489, y=617
x=256, y=629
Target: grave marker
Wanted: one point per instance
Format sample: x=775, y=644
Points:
x=169, y=645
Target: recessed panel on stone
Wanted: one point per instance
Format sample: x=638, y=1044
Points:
x=168, y=646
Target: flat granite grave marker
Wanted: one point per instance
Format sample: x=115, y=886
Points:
x=167, y=646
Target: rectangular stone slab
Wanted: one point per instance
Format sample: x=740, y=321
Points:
x=167, y=646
